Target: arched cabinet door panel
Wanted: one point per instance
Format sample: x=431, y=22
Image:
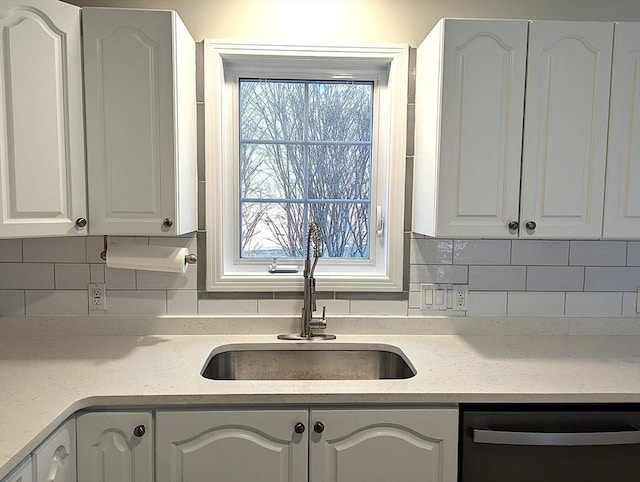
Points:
x=140, y=95
x=115, y=447
x=55, y=459
x=565, y=129
x=236, y=446
x=42, y=161
x=469, y=107
x=411, y=445
x=622, y=196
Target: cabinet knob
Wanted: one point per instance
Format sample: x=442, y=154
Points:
x=81, y=222
x=167, y=223
x=299, y=427
x=514, y=225
x=318, y=427
x=139, y=431
x=531, y=225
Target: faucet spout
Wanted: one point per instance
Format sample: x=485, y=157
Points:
x=308, y=322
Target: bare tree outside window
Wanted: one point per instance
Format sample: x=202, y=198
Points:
x=305, y=155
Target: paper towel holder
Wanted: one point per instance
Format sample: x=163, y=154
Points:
x=189, y=258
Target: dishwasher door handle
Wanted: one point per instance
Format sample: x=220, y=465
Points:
x=500, y=437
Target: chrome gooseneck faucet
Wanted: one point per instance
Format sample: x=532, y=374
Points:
x=308, y=322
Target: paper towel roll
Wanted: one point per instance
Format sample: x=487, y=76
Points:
x=145, y=257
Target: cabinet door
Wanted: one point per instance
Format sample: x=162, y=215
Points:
x=55, y=459
x=384, y=445
x=481, y=127
x=42, y=173
x=22, y=473
x=130, y=108
x=231, y=446
x=622, y=197
x=110, y=449
x=565, y=129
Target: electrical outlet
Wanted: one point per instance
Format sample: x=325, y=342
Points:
x=460, y=297
x=97, y=297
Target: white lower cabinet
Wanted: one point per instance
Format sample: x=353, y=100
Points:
x=115, y=447
x=55, y=459
x=22, y=473
x=349, y=445
x=382, y=445
x=231, y=446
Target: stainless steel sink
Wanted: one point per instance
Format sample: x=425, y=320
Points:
x=307, y=361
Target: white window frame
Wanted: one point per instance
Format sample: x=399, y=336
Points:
x=224, y=64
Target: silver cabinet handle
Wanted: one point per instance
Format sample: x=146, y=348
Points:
x=500, y=437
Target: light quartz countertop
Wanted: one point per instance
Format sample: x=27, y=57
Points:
x=66, y=367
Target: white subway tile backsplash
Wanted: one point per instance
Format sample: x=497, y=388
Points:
x=538, y=252
x=182, y=302
x=186, y=241
x=95, y=247
x=97, y=273
x=487, y=303
x=538, y=304
x=54, y=250
x=376, y=307
x=611, y=279
x=415, y=299
x=555, y=278
x=633, y=253
x=72, y=276
x=32, y=276
x=489, y=252
x=227, y=307
x=119, y=279
x=598, y=253
x=10, y=250
x=431, y=251
x=335, y=307
x=155, y=280
x=590, y=304
x=56, y=302
x=438, y=273
x=280, y=307
x=12, y=303
x=136, y=302
x=629, y=306
x=497, y=278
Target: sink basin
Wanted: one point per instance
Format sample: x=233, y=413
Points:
x=307, y=361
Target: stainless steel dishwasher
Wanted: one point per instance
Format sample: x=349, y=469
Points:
x=549, y=443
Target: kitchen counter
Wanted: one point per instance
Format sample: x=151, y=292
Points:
x=46, y=378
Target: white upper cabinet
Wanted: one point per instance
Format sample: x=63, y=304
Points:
x=140, y=121
x=565, y=129
x=498, y=154
x=42, y=163
x=469, y=108
x=622, y=196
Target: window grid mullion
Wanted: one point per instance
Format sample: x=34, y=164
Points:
x=305, y=157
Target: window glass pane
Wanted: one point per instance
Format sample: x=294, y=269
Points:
x=340, y=111
x=271, y=171
x=271, y=110
x=271, y=230
x=344, y=228
x=302, y=142
x=339, y=171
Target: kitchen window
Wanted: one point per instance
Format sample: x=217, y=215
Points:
x=298, y=134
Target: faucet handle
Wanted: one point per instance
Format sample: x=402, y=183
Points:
x=319, y=323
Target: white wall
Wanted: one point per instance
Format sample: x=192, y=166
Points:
x=401, y=21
